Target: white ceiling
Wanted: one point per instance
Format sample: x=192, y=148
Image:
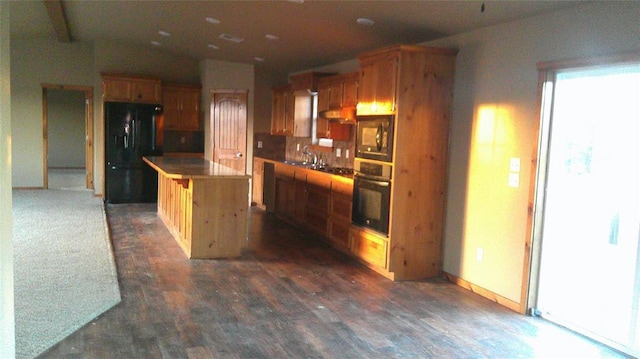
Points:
x=311, y=33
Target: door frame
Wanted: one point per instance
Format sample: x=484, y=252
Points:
x=88, y=129
x=533, y=243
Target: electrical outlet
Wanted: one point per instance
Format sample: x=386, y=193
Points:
x=297, y=147
x=259, y=144
x=479, y=254
x=338, y=152
x=346, y=153
x=514, y=180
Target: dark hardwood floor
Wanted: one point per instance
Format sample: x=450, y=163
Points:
x=292, y=296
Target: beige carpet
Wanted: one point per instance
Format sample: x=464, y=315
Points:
x=65, y=273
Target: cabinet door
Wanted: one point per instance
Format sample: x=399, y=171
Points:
x=285, y=197
x=257, y=183
x=117, y=90
x=377, y=87
x=289, y=109
x=317, y=209
x=190, y=110
x=350, y=91
x=146, y=91
x=282, y=112
x=171, y=108
x=335, y=95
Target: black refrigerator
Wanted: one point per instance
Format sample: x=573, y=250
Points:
x=130, y=134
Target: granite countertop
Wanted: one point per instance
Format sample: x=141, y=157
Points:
x=191, y=168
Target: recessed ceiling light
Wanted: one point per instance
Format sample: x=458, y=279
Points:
x=212, y=20
x=164, y=33
x=212, y=46
x=296, y=1
x=259, y=59
x=231, y=38
x=271, y=37
x=155, y=43
x=365, y=22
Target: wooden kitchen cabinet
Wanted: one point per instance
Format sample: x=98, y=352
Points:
x=340, y=220
x=318, y=189
x=378, y=83
x=285, y=191
x=117, y=88
x=370, y=247
x=335, y=93
x=282, y=107
x=414, y=83
x=257, y=183
x=181, y=107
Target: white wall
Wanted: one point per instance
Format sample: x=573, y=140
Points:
x=66, y=128
x=7, y=319
x=34, y=62
x=495, y=93
x=222, y=75
x=38, y=61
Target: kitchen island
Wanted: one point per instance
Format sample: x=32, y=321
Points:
x=204, y=205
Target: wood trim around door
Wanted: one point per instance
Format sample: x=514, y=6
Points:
x=88, y=121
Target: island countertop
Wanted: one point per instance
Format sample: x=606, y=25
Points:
x=191, y=168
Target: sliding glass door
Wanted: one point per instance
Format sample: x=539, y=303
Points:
x=589, y=277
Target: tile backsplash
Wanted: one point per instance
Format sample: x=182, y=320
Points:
x=341, y=155
x=183, y=141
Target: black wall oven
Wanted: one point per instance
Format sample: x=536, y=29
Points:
x=371, y=195
x=374, y=137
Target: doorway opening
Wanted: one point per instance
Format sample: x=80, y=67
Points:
x=587, y=226
x=67, y=127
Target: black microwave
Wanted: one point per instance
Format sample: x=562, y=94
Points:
x=374, y=137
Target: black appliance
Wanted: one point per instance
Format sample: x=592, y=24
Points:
x=371, y=195
x=130, y=134
x=374, y=137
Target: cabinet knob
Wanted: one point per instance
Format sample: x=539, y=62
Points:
x=239, y=154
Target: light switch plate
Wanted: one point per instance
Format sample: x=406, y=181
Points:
x=338, y=152
x=514, y=165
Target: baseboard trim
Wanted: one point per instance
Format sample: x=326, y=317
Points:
x=26, y=188
x=483, y=292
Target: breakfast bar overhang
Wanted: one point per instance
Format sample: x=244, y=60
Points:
x=204, y=204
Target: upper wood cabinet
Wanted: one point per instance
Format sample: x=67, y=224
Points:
x=334, y=93
x=116, y=88
x=378, y=81
x=291, y=111
x=181, y=107
x=282, y=111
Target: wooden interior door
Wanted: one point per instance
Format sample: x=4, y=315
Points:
x=229, y=110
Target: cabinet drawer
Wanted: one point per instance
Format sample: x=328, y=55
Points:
x=343, y=186
x=369, y=247
x=285, y=170
x=319, y=179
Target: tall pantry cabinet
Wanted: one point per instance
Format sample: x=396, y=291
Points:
x=414, y=83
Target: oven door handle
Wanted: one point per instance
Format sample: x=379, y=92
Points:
x=379, y=137
x=369, y=180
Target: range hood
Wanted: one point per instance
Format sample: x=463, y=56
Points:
x=345, y=115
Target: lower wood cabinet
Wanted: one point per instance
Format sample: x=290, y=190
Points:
x=369, y=247
x=317, y=209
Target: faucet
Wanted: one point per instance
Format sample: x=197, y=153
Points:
x=308, y=154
